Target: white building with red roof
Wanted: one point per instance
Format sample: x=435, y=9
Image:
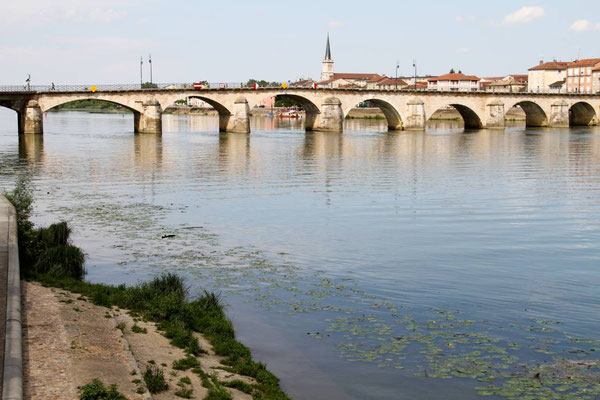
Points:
x=544, y=74
x=454, y=82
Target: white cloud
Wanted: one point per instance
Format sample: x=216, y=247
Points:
x=105, y=15
x=335, y=24
x=524, y=15
x=463, y=50
x=583, y=25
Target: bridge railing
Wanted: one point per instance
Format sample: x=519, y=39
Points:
x=114, y=87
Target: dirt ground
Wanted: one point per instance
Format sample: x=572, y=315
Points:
x=68, y=341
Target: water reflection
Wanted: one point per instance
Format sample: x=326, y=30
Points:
x=148, y=150
x=31, y=148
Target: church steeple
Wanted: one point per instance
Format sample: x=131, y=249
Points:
x=328, y=49
x=327, y=70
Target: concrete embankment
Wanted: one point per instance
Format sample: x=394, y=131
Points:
x=10, y=305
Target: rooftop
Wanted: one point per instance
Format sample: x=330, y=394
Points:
x=454, y=77
x=550, y=66
x=589, y=62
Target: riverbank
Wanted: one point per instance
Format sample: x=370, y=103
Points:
x=109, y=344
x=162, y=333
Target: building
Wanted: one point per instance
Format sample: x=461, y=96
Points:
x=558, y=86
x=346, y=80
x=333, y=80
x=391, y=84
x=544, y=74
x=596, y=80
x=303, y=83
x=507, y=84
x=454, y=82
x=579, y=75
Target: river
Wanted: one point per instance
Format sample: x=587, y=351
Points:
x=364, y=265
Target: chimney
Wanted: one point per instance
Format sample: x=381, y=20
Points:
x=541, y=62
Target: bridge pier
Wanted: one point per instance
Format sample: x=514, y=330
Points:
x=559, y=114
x=150, y=119
x=239, y=120
x=495, y=115
x=415, y=119
x=331, y=118
x=30, y=119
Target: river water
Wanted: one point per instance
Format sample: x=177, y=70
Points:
x=362, y=265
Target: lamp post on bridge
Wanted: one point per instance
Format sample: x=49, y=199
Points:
x=397, y=66
x=415, y=77
x=150, y=62
x=141, y=72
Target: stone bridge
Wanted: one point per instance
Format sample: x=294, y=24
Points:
x=325, y=108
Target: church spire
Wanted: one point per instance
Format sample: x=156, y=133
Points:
x=328, y=49
x=327, y=69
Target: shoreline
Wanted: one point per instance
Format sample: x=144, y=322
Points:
x=180, y=332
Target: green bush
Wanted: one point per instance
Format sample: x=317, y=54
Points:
x=97, y=391
x=62, y=261
x=154, y=378
x=186, y=363
x=55, y=235
x=239, y=385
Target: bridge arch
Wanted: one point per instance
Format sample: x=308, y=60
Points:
x=310, y=108
x=535, y=116
x=9, y=105
x=582, y=114
x=224, y=112
x=392, y=116
x=471, y=119
x=146, y=114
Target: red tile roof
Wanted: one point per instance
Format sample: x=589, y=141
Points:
x=550, y=66
x=558, y=83
x=589, y=62
x=454, y=77
x=392, y=81
x=354, y=77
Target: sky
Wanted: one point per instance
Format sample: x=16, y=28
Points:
x=100, y=42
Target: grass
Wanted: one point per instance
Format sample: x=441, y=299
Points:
x=154, y=378
x=186, y=380
x=137, y=329
x=182, y=337
x=186, y=363
x=239, y=385
x=47, y=256
x=216, y=391
x=96, y=390
x=184, y=391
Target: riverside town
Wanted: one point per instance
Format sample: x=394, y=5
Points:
x=204, y=201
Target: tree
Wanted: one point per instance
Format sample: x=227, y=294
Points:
x=261, y=83
x=284, y=101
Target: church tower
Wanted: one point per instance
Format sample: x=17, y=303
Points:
x=327, y=70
